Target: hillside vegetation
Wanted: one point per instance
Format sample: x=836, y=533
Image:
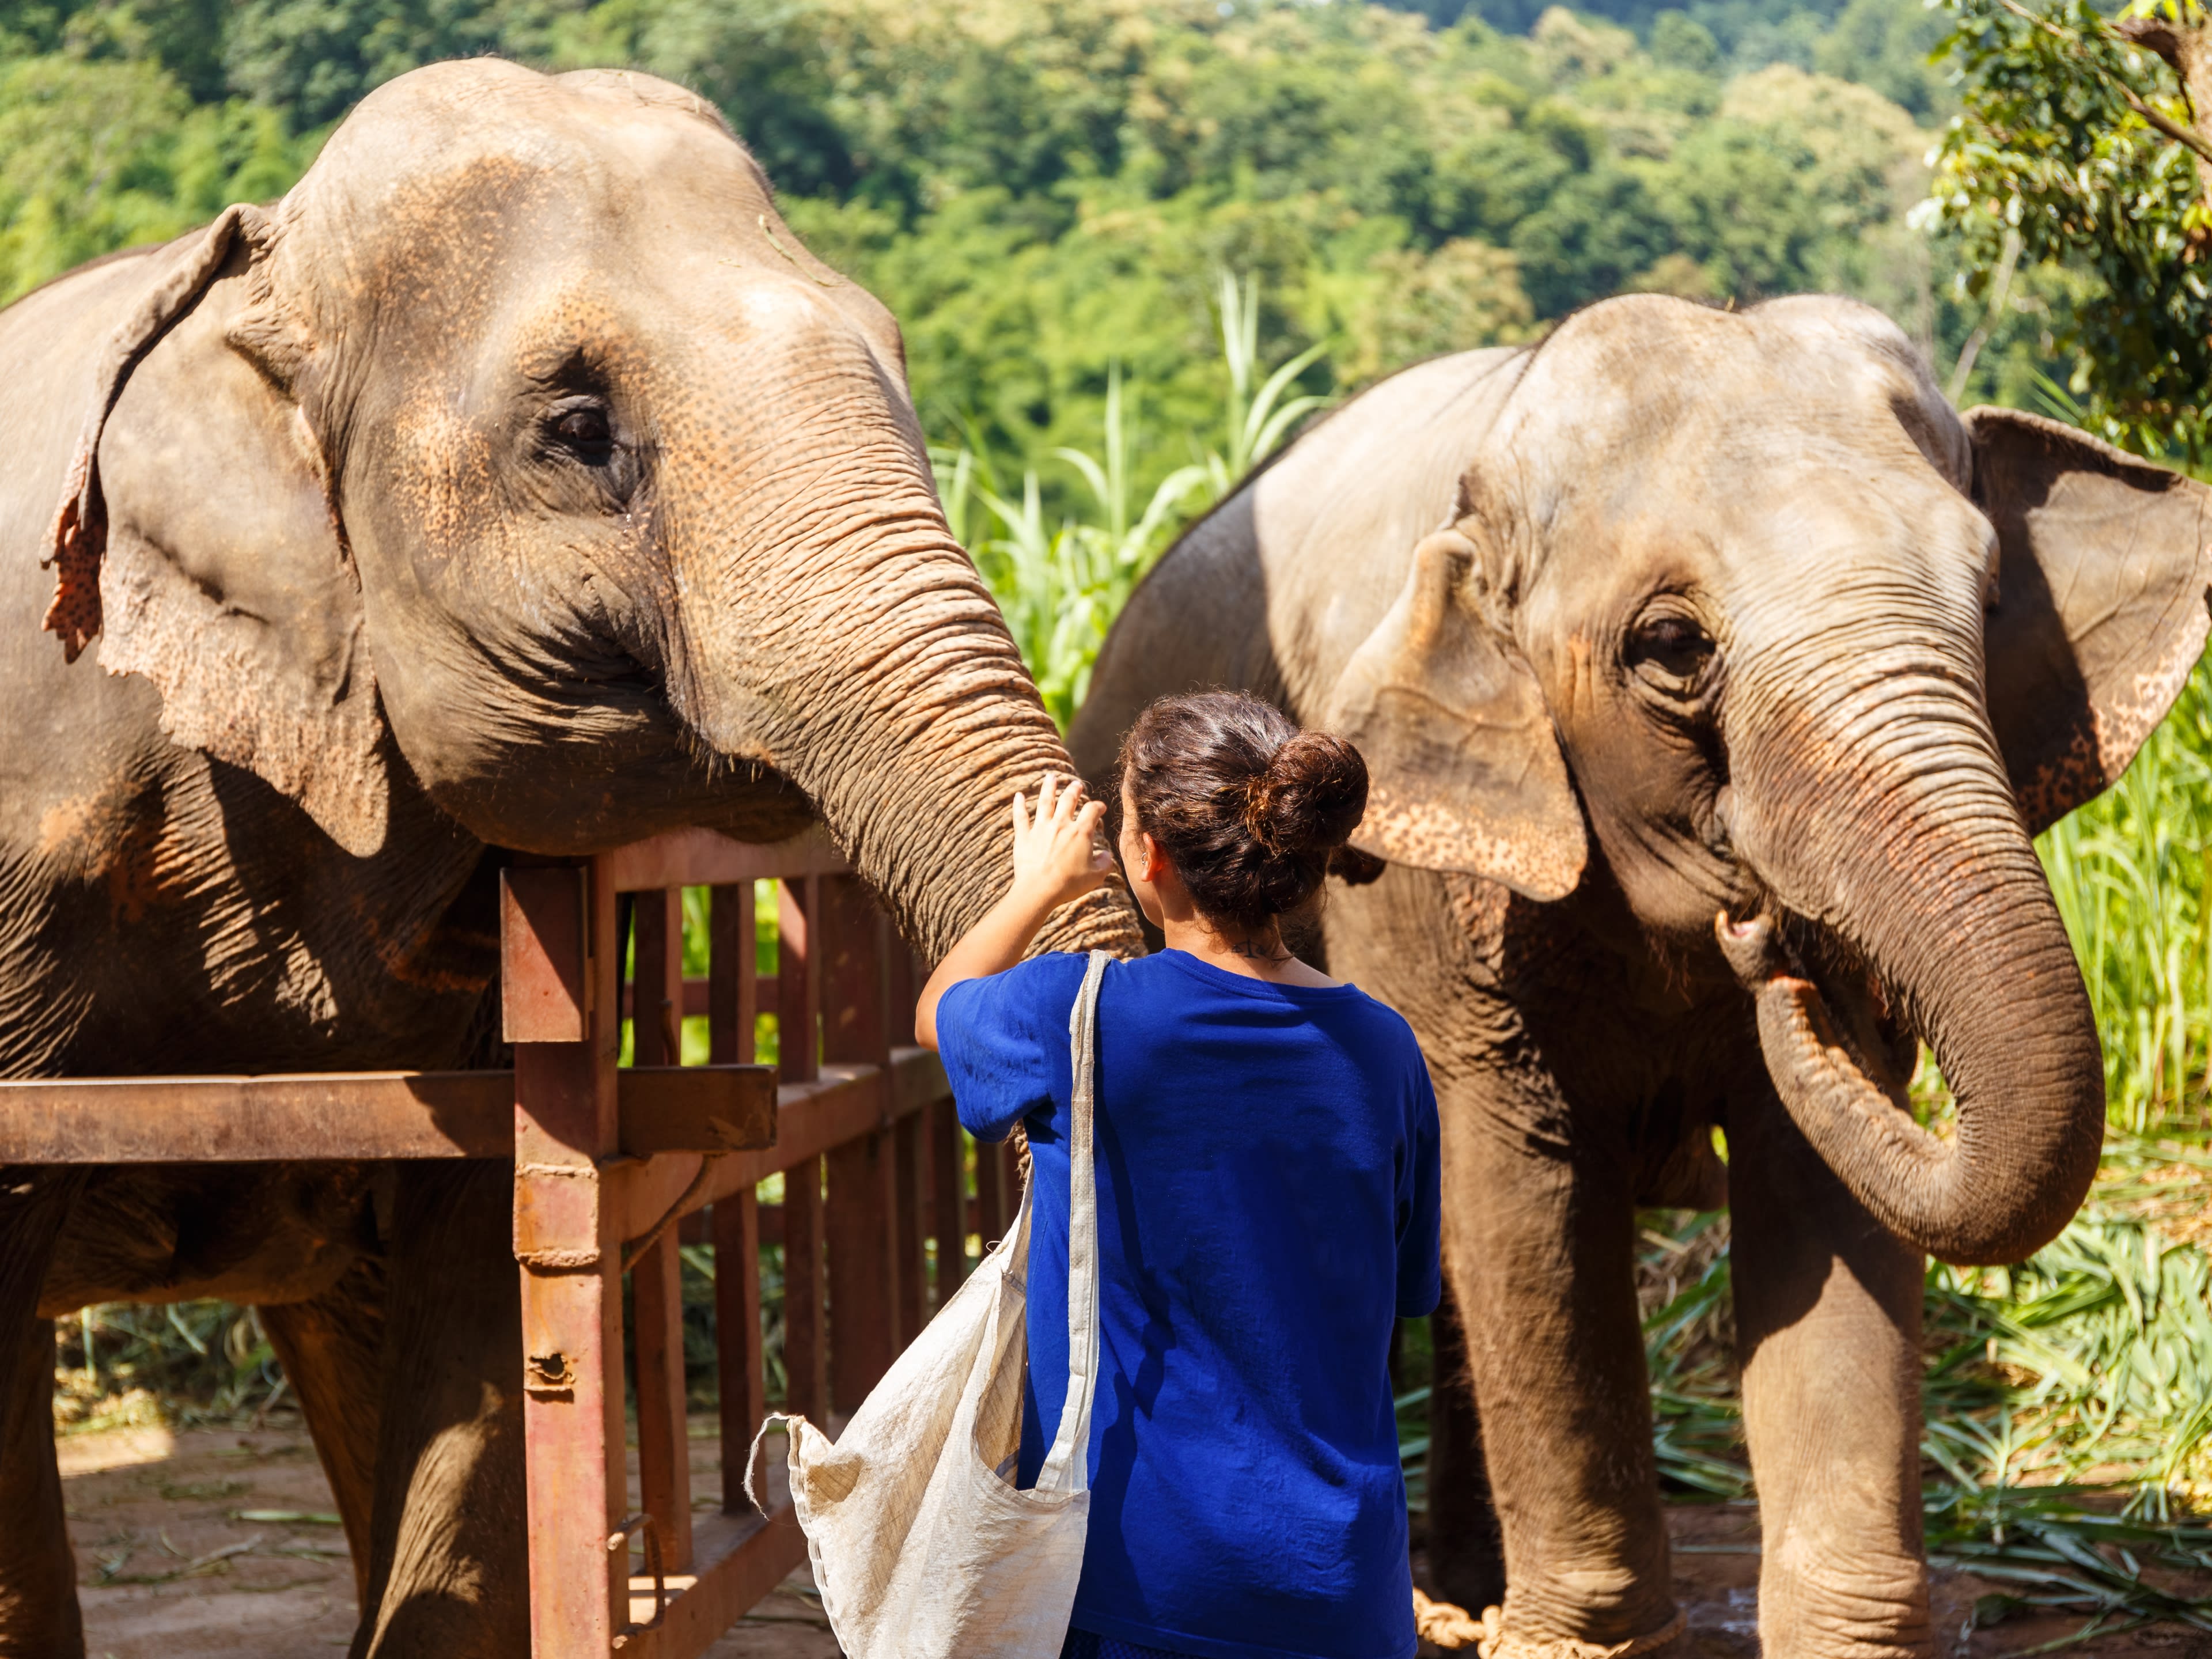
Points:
x=1043, y=191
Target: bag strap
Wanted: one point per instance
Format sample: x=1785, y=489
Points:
x=1067, y=1465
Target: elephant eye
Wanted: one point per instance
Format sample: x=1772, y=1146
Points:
x=1671, y=651
x=584, y=431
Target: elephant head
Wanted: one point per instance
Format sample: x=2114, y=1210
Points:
x=1739, y=599
x=522, y=456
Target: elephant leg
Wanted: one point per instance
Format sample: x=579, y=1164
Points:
x=1466, y=1555
x=1827, y=1309
x=1539, y=1248
x=39, y=1615
x=449, y=1572
x=331, y=1346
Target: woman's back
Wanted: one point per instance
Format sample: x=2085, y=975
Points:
x=1267, y=1191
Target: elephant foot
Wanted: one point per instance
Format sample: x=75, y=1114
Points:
x=1830, y=1596
x=1453, y=1628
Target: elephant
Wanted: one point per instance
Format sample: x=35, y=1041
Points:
x=516, y=485
x=1713, y=674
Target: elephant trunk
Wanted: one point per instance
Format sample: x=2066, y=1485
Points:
x=1881, y=813
x=911, y=734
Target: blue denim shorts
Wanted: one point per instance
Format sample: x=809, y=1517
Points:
x=1081, y=1644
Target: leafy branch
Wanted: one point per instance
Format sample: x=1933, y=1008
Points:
x=2135, y=100
x=2071, y=156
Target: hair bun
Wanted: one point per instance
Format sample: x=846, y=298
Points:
x=1311, y=798
x=1252, y=811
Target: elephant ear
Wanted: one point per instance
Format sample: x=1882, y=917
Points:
x=199, y=539
x=2105, y=565
x=1464, y=771
x=79, y=538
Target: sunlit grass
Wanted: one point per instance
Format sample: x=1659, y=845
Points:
x=2129, y=871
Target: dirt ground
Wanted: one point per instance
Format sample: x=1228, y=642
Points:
x=205, y=1542
x=1717, y=1576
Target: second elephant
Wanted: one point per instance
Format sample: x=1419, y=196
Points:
x=1713, y=674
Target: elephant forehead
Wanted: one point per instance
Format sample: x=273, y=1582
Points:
x=462, y=110
x=1807, y=518
x=439, y=186
x=1645, y=376
x=1752, y=525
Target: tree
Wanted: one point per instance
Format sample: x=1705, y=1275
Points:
x=2082, y=147
x=1890, y=45
x=1046, y=192
x=101, y=153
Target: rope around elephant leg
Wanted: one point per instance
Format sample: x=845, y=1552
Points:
x=1454, y=1628
x=1446, y=1624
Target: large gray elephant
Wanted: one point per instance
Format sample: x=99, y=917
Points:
x=518, y=482
x=1683, y=616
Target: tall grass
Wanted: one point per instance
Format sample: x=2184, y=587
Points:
x=1061, y=584
x=2129, y=872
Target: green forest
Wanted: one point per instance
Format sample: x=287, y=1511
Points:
x=1045, y=192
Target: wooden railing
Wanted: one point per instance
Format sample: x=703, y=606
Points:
x=616, y=1168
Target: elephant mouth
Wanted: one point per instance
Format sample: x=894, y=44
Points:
x=1865, y=1015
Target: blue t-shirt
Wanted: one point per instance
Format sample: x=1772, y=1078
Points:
x=1267, y=1205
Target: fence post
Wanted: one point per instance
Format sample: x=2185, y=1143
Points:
x=664, y=1451
x=911, y=1243
x=733, y=1001
x=664, y=1471
x=657, y=984
x=948, y=1174
x=901, y=984
x=798, y=1006
x=862, y=1216
x=732, y=974
x=561, y=1013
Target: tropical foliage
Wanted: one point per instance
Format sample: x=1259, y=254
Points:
x=1047, y=192
x=2073, y=185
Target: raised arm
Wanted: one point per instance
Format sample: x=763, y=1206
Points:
x=1057, y=858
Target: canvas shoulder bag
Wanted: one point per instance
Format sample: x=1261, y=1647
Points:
x=922, y=1548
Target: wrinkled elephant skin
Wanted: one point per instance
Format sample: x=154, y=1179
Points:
x=1713, y=674
x=517, y=482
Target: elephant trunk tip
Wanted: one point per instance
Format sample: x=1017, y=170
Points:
x=2024, y=1148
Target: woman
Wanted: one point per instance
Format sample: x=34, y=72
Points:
x=1266, y=1150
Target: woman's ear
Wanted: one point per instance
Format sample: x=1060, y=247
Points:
x=2105, y=562
x=201, y=541
x=1155, y=861
x=1464, y=771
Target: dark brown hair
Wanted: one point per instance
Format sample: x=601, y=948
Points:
x=1247, y=807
